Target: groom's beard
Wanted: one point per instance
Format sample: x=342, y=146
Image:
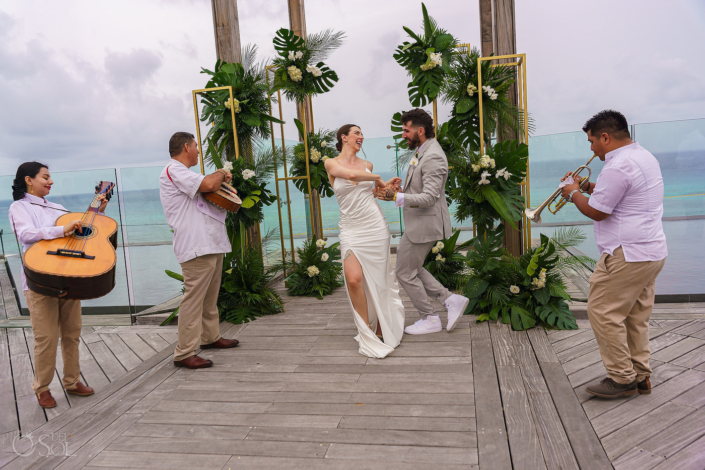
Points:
x=414, y=142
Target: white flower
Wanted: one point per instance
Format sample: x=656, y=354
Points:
x=471, y=89
x=309, y=68
x=503, y=173
x=414, y=162
x=247, y=174
x=320, y=243
x=440, y=258
x=493, y=96
x=315, y=155
x=228, y=166
x=489, y=90
x=435, y=250
x=485, y=161
x=324, y=143
x=475, y=168
x=323, y=159
x=514, y=289
x=312, y=271
x=295, y=73
x=440, y=245
x=492, y=164
x=292, y=55
x=484, y=179
x=315, y=71
x=229, y=105
x=299, y=54
x=324, y=257
x=436, y=58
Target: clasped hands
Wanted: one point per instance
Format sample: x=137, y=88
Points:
x=385, y=190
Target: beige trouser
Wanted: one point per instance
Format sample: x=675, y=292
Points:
x=619, y=306
x=52, y=318
x=198, y=313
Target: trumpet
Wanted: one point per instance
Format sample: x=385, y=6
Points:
x=534, y=215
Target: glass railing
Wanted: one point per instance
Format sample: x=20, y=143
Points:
x=144, y=238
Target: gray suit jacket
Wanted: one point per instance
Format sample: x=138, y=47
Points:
x=426, y=216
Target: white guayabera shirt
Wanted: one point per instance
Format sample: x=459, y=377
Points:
x=199, y=227
x=630, y=189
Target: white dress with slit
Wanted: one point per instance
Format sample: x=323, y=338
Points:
x=364, y=232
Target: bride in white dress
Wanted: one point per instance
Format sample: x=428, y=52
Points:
x=364, y=246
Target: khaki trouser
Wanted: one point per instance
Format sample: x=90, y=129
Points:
x=198, y=313
x=52, y=318
x=619, y=306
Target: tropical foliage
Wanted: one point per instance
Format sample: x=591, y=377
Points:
x=245, y=292
x=427, y=58
x=522, y=291
x=300, y=70
x=317, y=271
x=447, y=264
x=251, y=103
x=321, y=147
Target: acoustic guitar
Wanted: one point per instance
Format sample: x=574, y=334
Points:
x=225, y=197
x=82, y=265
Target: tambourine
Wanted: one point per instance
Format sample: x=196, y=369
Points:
x=224, y=197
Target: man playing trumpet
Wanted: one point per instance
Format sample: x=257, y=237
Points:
x=626, y=204
x=200, y=240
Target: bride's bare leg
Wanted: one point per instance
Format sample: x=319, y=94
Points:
x=354, y=280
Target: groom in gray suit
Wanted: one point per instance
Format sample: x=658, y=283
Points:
x=426, y=220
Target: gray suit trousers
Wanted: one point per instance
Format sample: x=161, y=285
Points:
x=418, y=283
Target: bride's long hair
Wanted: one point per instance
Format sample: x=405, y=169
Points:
x=344, y=130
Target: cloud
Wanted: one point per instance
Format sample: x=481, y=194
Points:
x=133, y=69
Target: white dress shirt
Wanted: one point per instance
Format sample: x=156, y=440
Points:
x=199, y=226
x=630, y=189
x=33, y=218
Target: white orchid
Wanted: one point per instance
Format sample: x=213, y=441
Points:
x=292, y=55
x=493, y=96
x=514, y=289
x=484, y=179
x=315, y=155
x=320, y=243
x=414, y=162
x=492, y=163
x=435, y=250
x=228, y=166
x=247, y=174
x=295, y=73
x=503, y=173
x=324, y=257
x=312, y=271
x=299, y=54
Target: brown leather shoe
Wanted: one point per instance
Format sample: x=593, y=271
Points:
x=222, y=343
x=608, y=388
x=194, y=362
x=81, y=390
x=644, y=387
x=46, y=400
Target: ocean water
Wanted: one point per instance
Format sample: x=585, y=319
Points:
x=138, y=209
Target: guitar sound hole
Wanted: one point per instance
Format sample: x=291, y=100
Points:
x=85, y=232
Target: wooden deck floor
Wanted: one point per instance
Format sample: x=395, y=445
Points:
x=296, y=394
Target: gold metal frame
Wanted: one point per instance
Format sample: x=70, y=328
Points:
x=287, y=178
x=198, y=123
x=520, y=64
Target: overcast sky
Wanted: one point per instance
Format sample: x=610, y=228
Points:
x=97, y=83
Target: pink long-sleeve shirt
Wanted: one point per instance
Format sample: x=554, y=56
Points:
x=32, y=218
x=630, y=189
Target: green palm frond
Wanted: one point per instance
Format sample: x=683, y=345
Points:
x=324, y=43
x=568, y=236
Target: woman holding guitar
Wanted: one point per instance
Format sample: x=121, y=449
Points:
x=33, y=219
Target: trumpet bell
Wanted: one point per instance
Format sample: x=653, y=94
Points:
x=533, y=215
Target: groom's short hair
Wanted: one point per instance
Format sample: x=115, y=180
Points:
x=419, y=118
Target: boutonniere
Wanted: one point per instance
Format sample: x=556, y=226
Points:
x=414, y=162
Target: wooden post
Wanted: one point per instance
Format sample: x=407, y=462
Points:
x=297, y=23
x=226, y=25
x=498, y=36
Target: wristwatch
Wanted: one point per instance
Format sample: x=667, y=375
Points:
x=570, y=196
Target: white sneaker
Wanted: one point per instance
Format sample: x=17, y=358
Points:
x=432, y=324
x=456, y=305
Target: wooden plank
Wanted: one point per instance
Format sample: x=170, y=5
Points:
x=236, y=419
x=493, y=449
x=632, y=409
x=408, y=423
x=8, y=418
x=637, y=459
x=429, y=455
x=573, y=341
x=189, y=431
x=692, y=359
x=690, y=457
x=211, y=407
x=694, y=398
x=106, y=360
x=124, y=354
x=282, y=463
x=622, y=440
x=542, y=346
x=678, y=349
x=690, y=328
x=578, y=351
x=676, y=436
x=159, y=460
x=91, y=371
x=353, y=409
x=154, y=340
x=138, y=345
